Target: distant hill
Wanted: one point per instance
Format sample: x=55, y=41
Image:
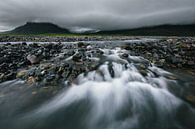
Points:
x=38, y=28
x=163, y=30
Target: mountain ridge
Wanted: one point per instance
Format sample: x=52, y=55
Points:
x=161, y=30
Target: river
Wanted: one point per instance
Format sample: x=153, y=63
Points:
x=116, y=95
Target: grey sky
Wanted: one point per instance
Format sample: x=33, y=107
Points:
x=97, y=14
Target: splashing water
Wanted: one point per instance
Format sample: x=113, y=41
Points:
x=117, y=95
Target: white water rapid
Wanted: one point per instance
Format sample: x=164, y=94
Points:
x=123, y=93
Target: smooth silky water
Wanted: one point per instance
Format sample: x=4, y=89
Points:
x=114, y=96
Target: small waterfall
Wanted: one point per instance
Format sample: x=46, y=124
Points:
x=123, y=93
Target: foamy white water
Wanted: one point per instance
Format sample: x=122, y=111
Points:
x=117, y=95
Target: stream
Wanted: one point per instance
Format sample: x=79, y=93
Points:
x=123, y=92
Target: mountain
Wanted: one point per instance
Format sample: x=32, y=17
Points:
x=163, y=30
x=38, y=28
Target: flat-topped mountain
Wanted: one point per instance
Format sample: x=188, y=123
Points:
x=38, y=28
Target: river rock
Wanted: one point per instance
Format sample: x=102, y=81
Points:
x=77, y=57
x=31, y=80
x=22, y=74
x=33, y=59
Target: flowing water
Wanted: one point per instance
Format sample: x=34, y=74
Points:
x=117, y=95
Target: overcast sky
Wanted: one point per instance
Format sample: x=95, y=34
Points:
x=97, y=14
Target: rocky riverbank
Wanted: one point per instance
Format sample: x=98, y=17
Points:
x=65, y=85
x=59, y=63
x=5, y=38
x=174, y=53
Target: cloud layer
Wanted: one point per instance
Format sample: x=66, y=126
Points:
x=97, y=14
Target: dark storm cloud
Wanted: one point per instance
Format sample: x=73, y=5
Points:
x=97, y=14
